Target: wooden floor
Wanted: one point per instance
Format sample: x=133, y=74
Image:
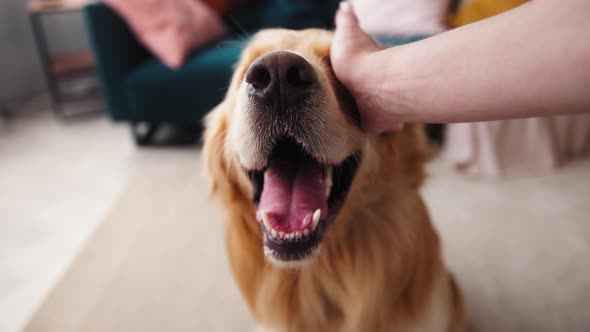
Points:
x=57, y=181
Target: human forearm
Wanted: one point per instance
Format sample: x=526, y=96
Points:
x=531, y=61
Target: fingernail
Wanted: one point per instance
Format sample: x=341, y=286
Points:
x=345, y=6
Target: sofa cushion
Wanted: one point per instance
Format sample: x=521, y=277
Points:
x=402, y=17
x=157, y=93
x=171, y=29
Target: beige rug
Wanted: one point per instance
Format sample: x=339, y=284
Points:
x=156, y=263
x=520, y=249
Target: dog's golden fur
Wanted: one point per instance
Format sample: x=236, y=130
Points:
x=379, y=267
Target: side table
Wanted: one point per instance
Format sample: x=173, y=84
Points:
x=61, y=66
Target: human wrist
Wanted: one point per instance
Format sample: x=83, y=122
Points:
x=381, y=84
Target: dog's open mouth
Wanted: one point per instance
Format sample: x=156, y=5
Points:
x=296, y=198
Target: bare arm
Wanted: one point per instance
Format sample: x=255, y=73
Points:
x=531, y=61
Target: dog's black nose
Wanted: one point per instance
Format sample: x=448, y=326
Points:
x=280, y=79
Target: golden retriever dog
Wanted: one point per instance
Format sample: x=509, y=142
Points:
x=327, y=230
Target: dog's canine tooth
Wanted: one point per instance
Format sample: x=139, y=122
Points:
x=297, y=234
x=328, y=181
x=265, y=220
x=306, y=232
x=316, y=219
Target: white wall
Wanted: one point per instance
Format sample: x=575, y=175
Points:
x=20, y=72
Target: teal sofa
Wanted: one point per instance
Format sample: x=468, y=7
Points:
x=139, y=89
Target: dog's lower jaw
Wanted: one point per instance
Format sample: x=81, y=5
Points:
x=294, y=264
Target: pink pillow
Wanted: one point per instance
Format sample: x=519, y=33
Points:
x=402, y=17
x=170, y=28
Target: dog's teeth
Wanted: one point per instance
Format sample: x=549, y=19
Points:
x=282, y=235
x=328, y=182
x=265, y=220
x=273, y=233
x=297, y=234
x=306, y=232
x=316, y=219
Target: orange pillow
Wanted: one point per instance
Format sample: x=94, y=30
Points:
x=171, y=28
x=476, y=10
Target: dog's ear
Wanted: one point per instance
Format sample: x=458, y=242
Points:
x=415, y=152
x=215, y=158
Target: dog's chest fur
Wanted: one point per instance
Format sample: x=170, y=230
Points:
x=377, y=276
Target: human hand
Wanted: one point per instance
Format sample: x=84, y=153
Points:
x=352, y=57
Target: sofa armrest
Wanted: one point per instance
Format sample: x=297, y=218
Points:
x=116, y=51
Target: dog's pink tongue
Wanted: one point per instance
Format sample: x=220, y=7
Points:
x=293, y=190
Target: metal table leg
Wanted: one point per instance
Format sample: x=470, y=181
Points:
x=44, y=55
